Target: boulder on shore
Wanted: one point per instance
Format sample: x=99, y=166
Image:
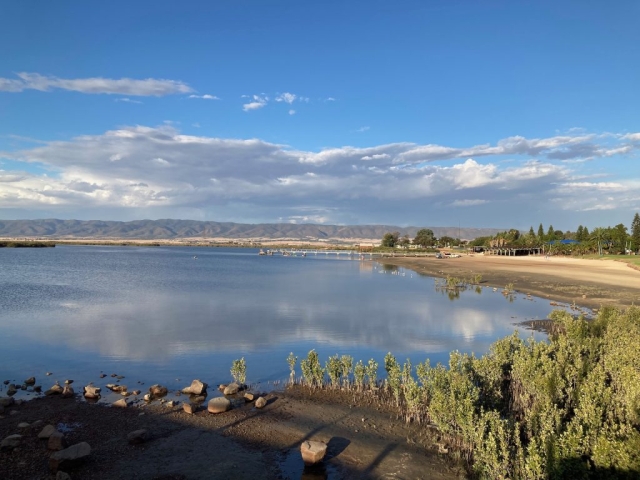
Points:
x=157, y=391
x=69, y=455
x=196, y=388
x=10, y=442
x=31, y=381
x=55, y=390
x=47, y=431
x=56, y=441
x=219, y=405
x=312, y=451
x=231, y=389
x=6, y=401
x=261, y=402
x=122, y=403
x=92, y=392
x=67, y=391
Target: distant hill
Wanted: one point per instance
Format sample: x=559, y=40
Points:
x=170, y=229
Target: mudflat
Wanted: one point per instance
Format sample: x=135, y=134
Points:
x=587, y=282
x=365, y=439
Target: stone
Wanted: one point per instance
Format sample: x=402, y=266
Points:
x=102, y=375
x=157, y=391
x=136, y=392
x=23, y=425
x=147, y=397
x=56, y=441
x=48, y=374
x=68, y=382
x=30, y=381
x=122, y=403
x=125, y=393
x=62, y=476
x=11, y=442
x=67, y=392
x=261, y=402
x=249, y=397
x=137, y=437
x=6, y=401
x=14, y=412
x=37, y=388
x=69, y=455
x=196, y=388
x=92, y=392
x=232, y=389
x=47, y=431
x=11, y=390
x=55, y=390
x=171, y=403
x=6, y=382
x=117, y=388
x=222, y=386
x=189, y=408
x=198, y=398
x=219, y=405
x=312, y=451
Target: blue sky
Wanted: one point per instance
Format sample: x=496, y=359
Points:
x=494, y=113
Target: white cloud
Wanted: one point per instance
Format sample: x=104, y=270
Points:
x=205, y=97
x=95, y=85
x=127, y=100
x=151, y=168
x=259, y=101
x=286, y=97
x=363, y=129
x=292, y=112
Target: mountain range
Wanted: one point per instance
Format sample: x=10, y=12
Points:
x=177, y=229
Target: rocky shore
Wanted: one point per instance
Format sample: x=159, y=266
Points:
x=228, y=432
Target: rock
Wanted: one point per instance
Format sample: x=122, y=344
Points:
x=261, y=402
x=125, y=393
x=222, y=386
x=67, y=392
x=55, y=390
x=23, y=425
x=219, y=405
x=157, y=391
x=120, y=377
x=249, y=397
x=68, y=382
x=37, y=423
x=11, y=390
x=47, y=431
x=189, y=408
x=114, y=375
x=102, y=375
x=6, y=401
x=232, y=389
x=198, y=399
x=11, y=442
x=137, y=437
x=92, y=392
x=20, y=402
x=62, y=476
x=196, y=388
x=68, y=455
x=136, y=392
x=312, y=451
x=14, y=412
x=171, y=403
x=56, y=441
x=6, y=382
x=48, y=374
x=37, y=388
x=122, y=403
x=23, y=386
x=30, y=381
x=117, y=388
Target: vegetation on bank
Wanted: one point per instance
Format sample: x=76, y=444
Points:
x=25, y=244
x=568, y=407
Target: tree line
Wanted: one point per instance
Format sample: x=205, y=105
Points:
x=425, y=238
x=613, y=240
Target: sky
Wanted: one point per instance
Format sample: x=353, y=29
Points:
x=427, y=113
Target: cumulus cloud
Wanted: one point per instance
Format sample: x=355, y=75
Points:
x=95, y=85
x=159, y=167
x=292, y=112
x=204, y=97
x=286, y=97
x=258, y=102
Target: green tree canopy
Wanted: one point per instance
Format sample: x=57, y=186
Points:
x=540, y=232
x=635, y=232
x=424, y=237
x=390, y=239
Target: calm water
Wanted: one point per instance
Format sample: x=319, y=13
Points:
x=158, y=315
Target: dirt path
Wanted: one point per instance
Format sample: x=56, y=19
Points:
x=589, y=283
x=365, y=440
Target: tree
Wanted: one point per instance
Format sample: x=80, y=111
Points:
x=446, y=241
x=424, y=237
x=620, y=237
x=541, y=233
x=580, y=236
x=390, y=239
x=531, y=232
x=599, y=236
x=551, y=235
x=635, y=232
x=404, y=241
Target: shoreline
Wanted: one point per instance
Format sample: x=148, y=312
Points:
x=585, y=282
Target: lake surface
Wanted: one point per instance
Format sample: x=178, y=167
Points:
x=159, y=315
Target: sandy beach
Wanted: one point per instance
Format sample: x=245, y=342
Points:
x=589, y=283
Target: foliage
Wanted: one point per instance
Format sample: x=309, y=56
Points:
x=568, y=407
x=372, y=373
x=635, y=232
x=346, y=362
x=334, y=370
x=390, y=239
x=424, y=238
x=239, y=371
x=312, y=371
x=292, y=360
